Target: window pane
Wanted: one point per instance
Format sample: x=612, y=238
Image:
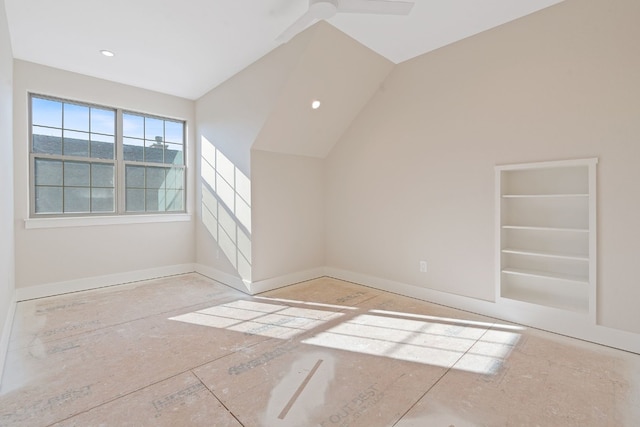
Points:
x=48, y=172
x=45, y=112
x=103, y=121
x=173, y=132
x=155, y=200
x=102, y=200
x=77, y=200
x=155, y=178
x=76, y=144
x=133, y=126
x=173, y=154
x=48, y=199
x=76, y=171
x=77, y=174
x=102, y=175
x=153, y=129
x=153, y=152
x=102, y=146
x=133, y=149
x=76, y=117
x=175, y=200
x=134, y=177
x=175, y=179
x=46, y=140
x=135, y=200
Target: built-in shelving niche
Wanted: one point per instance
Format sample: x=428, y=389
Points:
x=546, y=233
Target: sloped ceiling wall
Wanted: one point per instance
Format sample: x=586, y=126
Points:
x=232, y=115
x=338, y=71
x=229, y=119
x=413, y=178
x=287, y=158
x=261, y=120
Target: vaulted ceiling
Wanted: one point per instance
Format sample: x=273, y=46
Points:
x=187, y=48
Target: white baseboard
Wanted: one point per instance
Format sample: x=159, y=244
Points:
x=222, y=277
x=85, y=284
x=253, y=288
x=6, y=334
x=286, y=280
x=539, y=317
x=558, y=321
x=431, y=295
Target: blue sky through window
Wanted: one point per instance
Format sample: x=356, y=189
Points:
x=56, y=114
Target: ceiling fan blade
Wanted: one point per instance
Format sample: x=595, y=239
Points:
x=301, y=24
x=384, y=7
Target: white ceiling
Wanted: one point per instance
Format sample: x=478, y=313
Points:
x=187, y=47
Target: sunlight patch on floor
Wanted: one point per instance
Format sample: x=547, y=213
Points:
x=474, y=346
x=257, y=318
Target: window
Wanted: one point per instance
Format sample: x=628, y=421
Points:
x=93, y=160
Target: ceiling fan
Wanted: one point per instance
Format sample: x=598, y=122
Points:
x=325, y=9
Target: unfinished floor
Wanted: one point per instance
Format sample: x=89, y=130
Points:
x=188, y=351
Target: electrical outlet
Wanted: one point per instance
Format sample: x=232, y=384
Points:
x=423, y=266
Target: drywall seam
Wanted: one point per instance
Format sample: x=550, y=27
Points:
x=88, y=283
x=6, y=334
x=553, y=320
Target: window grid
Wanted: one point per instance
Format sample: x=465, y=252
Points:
x=156, y=165
x=92, y=184
x=84, y=192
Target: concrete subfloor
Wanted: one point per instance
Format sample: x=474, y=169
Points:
x=188, y=351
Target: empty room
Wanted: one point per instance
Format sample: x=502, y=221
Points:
x=319, y=213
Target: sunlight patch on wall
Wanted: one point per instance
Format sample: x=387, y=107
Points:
x=226, y=206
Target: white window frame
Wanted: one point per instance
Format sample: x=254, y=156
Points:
x=119, y=215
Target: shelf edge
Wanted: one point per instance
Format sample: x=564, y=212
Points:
x=543, y=275
x=545, y=254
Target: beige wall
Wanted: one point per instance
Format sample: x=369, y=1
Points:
x=229, y=120
x=6, y=178
x=288, y=211
x=52, y=255
x=413, y=178
x=261, y=122
x=334, y=69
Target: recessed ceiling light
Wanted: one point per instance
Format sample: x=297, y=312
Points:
x=315, y=104
x=107, y=53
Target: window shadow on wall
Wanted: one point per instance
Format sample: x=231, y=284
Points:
x=226, y=206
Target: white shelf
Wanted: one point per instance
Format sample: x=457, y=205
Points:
x=546, y=235
x=575, y=305
x=530, y=227
x=546, y=275
x=543, y=196
x=545, y=254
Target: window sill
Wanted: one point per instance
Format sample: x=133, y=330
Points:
x=90, y=221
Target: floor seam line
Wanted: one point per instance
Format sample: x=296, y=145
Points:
x=119, y=397
x=188, y=370
x=218, y=399
x=230, y=353
x=442, y=376
x=161, y=313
